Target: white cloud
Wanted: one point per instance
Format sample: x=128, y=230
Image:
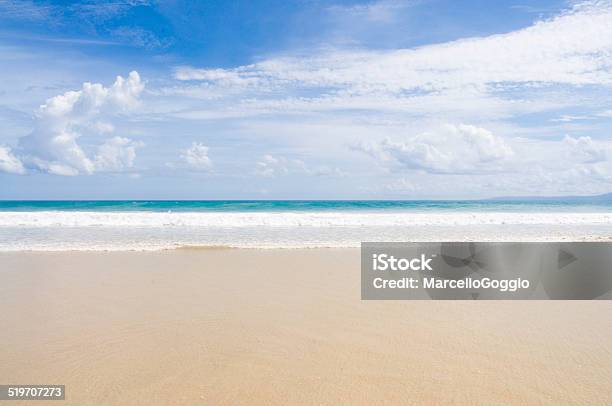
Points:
x=240, y=77
x=196, y=157
x=586, y=150
x=449, y=149
x=116, y=154
x=550, y=67
x=52, y=146
x=573, y=48
x=10, y=163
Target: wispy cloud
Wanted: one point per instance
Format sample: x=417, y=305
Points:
x=573, y=48
x=103, y=11
x=140, y=37
x=25, y=10
x=102, y=23
x=494, y=76
x=76, y=41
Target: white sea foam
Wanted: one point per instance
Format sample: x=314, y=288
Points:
x=292, y=219
x=144, y=231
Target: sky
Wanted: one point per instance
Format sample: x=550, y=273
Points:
x=305, y=99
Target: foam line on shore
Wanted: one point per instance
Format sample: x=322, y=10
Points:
x=292, y=219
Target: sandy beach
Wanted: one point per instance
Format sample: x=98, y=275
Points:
x=242, y=326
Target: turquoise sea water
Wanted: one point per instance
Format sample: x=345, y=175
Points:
x=303, y=205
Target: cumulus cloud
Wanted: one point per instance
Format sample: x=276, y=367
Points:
x=10, y=163
x=53, y=144
x=116, y=154
x=196, y=157
x=586, y=150
x=449, y=149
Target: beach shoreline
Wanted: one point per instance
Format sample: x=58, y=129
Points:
x=219, y=326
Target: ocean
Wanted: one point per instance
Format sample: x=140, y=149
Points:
x=300, y=205
x=154, y=225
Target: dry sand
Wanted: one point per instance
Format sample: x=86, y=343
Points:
x=282, y=327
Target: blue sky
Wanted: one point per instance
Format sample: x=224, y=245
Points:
x=304, y=99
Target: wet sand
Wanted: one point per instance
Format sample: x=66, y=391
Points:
x=237, y=326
